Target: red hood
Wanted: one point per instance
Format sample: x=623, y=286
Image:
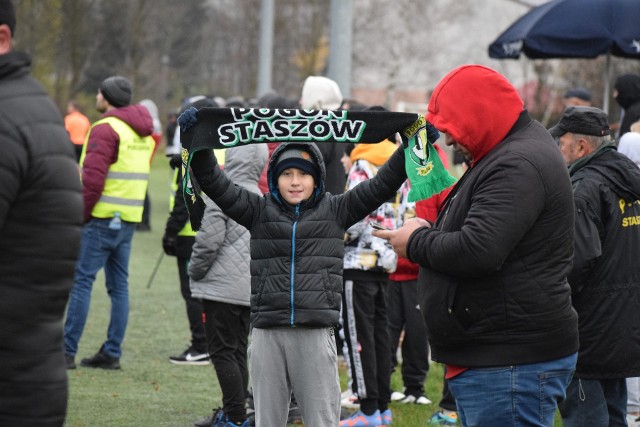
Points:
x=476, y=106
x=135, y=116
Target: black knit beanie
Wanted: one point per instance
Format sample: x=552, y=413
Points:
x=117, y=91
x=298, y=158
x=8, y=15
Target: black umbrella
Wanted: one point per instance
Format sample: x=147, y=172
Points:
x=574, y=29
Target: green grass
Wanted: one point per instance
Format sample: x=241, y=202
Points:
x=148, y=390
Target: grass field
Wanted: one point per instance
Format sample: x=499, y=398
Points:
x=148, y=390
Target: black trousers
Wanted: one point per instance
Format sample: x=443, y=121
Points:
x=364, y=311
x=447, y=402
x=227, y=327
x=194, y=309
x=403, y=312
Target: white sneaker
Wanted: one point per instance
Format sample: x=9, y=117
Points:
x=349, y=400
x=420, y=400
x=397, y=395
x=423, y=400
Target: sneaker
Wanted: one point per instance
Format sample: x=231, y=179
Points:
x=386, y=417
x=440, y=419
x=397, y=396
x=71, y=361
x=208, y=421
x=248, y=405
x=420, y=400
x=190, y=357
x=101, y=360
x=349, y=400
x=294, y=416
x=220, y=419
x=360, y=419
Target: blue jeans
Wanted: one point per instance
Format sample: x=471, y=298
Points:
x=519, y=395
x=595, y=403
x=101, y=247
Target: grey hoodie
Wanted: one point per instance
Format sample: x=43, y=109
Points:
x=219, y=267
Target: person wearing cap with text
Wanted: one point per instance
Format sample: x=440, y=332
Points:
x=40, y=228
x=605, y=279
x=115, y=165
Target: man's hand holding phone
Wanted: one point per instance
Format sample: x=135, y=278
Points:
x=377, y=226
x=399, y=238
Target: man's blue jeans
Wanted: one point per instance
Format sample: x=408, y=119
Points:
x=101, y=247
x=520, y=395
x=593, y=402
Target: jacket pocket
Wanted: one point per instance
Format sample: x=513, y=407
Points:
x=326, y=285
x=260, y=290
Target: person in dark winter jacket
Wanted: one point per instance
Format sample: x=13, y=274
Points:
x=177, y=241
x=493, y=279
x=627, y=94
x=115, y=165
x=40, y=226
x=605, y=279
x=297, y=251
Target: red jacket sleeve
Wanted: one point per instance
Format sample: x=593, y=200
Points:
x=102, y=152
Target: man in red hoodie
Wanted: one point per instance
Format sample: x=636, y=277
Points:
x=493, y=279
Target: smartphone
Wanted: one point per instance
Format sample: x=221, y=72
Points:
x=377, y=226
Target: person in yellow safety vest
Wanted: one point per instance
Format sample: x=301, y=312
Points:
x=115, y=173
x=177, y=241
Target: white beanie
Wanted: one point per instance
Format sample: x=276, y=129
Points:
x=320, y=93
x=630, y=146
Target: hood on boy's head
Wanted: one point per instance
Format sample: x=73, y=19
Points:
x=476, y=106
x=302, y=155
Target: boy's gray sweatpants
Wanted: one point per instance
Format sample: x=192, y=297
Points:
x=302, y=360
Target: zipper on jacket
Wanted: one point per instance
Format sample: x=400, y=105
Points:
x=293, y=268
x=446, y=212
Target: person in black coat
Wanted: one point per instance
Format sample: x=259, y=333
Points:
x=605, y=279
x=297, y=250
x=492, y=285
x=40, y=227
x=627, y=95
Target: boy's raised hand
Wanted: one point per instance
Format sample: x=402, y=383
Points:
x=186, y=120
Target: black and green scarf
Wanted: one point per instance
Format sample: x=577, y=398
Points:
x=215, y=128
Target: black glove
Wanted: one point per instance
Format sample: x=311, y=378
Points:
x=432, y=133
x=186, y=120
x=175, y=161
x=169, y=244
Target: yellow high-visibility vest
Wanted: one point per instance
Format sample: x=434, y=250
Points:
x=127, y=178
x=187, y=230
